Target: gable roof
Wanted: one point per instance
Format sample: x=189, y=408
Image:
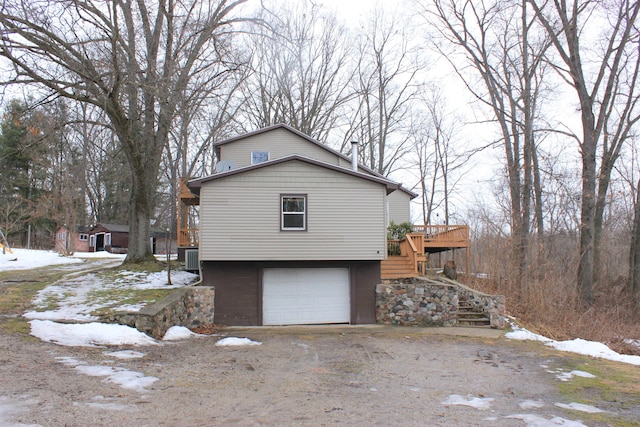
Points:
x=195, y=184
x=313, y=141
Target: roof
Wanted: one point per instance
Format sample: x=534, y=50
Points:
x=196, y=184
x=116, y=228
x=311, y=140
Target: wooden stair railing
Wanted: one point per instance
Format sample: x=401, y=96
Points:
x=406, y=264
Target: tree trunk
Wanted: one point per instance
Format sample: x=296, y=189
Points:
x=587, y=215
x=634, y=253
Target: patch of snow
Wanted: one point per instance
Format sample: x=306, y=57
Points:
x=99, y=254
x=594, y=349
x=233, y=341
x=25, y=259
x=538, y=421
x=10, y=406
x=579, y=407
x=566, y=376
x=125, y=354
x=125, y=378
x=529, y=404
x=578, y=345
x=175, y=333
x=88, y=334
x=108, y=406
x=525, y=335
x=481, y=403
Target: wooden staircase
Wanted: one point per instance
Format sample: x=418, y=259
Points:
x=470, y=316
x=397, y=266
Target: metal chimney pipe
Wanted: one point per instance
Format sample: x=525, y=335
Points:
x=354, y=156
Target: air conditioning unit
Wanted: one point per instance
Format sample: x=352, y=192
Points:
x=191, y=262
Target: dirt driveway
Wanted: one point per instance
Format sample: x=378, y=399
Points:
x=311, y=376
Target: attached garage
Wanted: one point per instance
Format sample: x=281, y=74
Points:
x=305, y=296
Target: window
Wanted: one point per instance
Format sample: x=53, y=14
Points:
x=92, y=241
x=294, y=212
x=259, y=157
x=62, y=236
x=84, y=237
x=107, y=239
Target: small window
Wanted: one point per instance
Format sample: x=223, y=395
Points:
x=92, y=241
x=84, y=237
x=259, y=157
x=107, y=239
x=294, y=212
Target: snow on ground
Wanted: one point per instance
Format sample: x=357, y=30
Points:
x=125, y=378
x=26, y=259
x=78, y=297
x=10, y=406
x=88, y=334
x=579, y=407
x=125, y=354
x=233, y=341
x=566, y=376
x=529, y=404
x=538, y=421
x=176, y=333
x=482, y=403
x=578, y=345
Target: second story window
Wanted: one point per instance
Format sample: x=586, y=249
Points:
x=259, y=157
x=294, y=212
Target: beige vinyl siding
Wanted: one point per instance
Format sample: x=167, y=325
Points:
x=399, y=207
x=240, y=216
x=279, y=143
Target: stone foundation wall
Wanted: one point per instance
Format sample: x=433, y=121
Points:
x=432, y=302
x=190, y=307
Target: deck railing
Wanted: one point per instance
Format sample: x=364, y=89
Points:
x=445, y=235
x=188, y=237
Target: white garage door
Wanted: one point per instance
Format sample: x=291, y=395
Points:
x=305, y=296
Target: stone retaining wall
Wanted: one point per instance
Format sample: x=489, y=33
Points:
x=190, y=307
x=432, y=302
x=493, y=306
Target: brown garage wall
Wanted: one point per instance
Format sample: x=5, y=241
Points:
x=238, y=287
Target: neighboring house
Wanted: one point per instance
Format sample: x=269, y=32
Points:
x=292, y=232
x=112, y=238
x=68, y=241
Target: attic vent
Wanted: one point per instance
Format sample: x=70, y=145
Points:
x=191, y=260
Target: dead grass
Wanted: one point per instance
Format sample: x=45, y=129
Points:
x=546, y=301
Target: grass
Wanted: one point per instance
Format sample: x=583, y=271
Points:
x=125, y=296
x=615, y=389
x=19, y=288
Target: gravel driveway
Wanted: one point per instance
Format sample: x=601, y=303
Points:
x=313, y=376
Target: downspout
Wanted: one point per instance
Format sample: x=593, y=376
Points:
x=354, y=156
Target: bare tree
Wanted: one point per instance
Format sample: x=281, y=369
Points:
x=604, y=75
x=300, y=70
x=387, y=84
x=494, y=38
x=439, y=156
x=132, y=59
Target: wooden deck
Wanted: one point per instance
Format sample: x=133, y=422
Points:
x=408, y=257
x=188, y=203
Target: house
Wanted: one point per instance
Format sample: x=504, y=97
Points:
x=291, y=231
x=68, y=241
x=112, y=238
